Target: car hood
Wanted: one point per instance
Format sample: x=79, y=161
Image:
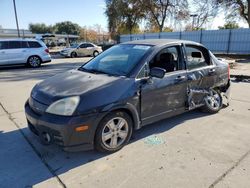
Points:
x=94, y=89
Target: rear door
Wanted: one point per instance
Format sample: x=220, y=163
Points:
x=82, y=50
x=161, y=98
x=16, y=53
x=90, y=49
x=4, y=59
x=201, y=73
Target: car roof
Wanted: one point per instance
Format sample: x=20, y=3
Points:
x=19, y=39
x=161, y=42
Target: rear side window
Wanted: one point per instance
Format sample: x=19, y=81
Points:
x=89, y=45
x=15, y=44
x=25, y=44
x=197, y=57
x=4, y=45
x=83, y=46
x=33, y=44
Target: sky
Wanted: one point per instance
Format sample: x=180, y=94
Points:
x=82, y=12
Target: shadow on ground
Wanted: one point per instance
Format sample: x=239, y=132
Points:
x=61, y=162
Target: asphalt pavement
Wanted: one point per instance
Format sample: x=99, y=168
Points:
x=190, y=150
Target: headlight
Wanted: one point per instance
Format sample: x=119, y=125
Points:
x=64, y=107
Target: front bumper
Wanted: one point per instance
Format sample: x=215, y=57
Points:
x=61, y=129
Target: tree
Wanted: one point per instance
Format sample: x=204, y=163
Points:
x=161, y=10
x=67, y=27
x=40, y=28
x=204, y=11
x=229, y=25
x=237, y=8
x=123, y=16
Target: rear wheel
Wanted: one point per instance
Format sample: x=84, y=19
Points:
x=96, y=53
x=113, y=132
x=73, y=54
x=213, y=102
x=34, y=61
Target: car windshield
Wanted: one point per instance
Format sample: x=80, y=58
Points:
x=74, y=46
x=118, y=60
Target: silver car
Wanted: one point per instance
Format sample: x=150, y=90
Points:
x=31, y=52
x=82, y=49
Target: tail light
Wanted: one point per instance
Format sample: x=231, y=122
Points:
x=228, y=71
x=46, y=50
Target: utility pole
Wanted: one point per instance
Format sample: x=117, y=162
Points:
x=193, y=15
x=14, y=2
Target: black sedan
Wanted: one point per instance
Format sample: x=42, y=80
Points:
x=130, y=85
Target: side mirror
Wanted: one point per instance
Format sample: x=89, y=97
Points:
x=157, y=72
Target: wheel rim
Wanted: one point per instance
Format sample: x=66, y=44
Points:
x=96, y=54
x=213, y=100
x=73, y=54
x=115, y=132
x=34, y=61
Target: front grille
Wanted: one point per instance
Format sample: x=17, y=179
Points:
x=36, y=106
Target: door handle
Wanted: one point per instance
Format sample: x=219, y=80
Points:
x=180, y=78
x=24, y=51
x=3, y=52
x=211, y=71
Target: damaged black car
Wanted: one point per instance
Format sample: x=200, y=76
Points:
x=133, y=84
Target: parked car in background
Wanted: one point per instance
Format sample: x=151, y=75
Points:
x=82, y=49
x=126, y=87
x=30, y=52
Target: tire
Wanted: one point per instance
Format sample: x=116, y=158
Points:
x=34, y=61
x=213, y=102
x=73, y=55
x=109, y=137
x=95, y=53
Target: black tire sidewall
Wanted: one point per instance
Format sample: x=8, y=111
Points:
x=98, y=136
x=207, y=107
x=73, y=55
x=95, y=53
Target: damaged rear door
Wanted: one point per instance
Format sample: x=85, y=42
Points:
x=201, y=73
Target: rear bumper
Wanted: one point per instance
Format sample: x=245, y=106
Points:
x=46, y=58
x=62, y=129
x=226, y=93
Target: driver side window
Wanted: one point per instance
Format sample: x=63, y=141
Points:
x=168, y=59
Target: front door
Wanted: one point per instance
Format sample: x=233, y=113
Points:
x=161, y=98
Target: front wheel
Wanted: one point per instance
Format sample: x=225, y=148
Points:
x=113, y=132
x=213, y=102
x=73, y=55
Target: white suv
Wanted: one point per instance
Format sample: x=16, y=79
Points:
x=31, y=52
